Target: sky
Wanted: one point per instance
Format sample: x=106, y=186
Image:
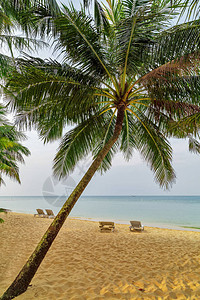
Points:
x=124, y=178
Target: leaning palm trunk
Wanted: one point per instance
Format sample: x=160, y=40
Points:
x=22, y=281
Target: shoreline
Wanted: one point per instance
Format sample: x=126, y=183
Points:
x=84, y=263
x=123, y=222
x=150, y=225
x=177, y=213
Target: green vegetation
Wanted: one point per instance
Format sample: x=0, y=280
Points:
x=190, y=227
x=127, y=81
x=14, y=16
x=1, y=211
x=11, y=151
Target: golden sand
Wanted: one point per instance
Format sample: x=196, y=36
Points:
x=84, y=263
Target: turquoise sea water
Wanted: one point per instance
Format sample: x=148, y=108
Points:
x=151, y=210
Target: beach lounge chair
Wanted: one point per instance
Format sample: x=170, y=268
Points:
x=50, y=213
x=136, y=226
x=40, y=213
x=106, y=226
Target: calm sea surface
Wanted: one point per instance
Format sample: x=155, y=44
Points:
x=151, y=210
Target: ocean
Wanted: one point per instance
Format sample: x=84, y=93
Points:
x=160, y=211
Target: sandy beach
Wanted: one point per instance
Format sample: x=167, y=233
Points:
x=84, y=263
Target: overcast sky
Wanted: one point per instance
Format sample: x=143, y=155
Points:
x=124, y=178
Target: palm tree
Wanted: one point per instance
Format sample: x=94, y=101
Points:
x=126, y=78
x=11, y=151
x=13, y=16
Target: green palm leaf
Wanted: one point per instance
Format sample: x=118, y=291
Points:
x=190, y=8
x=128, y=138
x=176, y=42
x=136, y=34
x=63, y=94
x=154, y=148
x=79, y=40
x=77, y=144
x=106, y=133
x=194, y=145
x=11, y=151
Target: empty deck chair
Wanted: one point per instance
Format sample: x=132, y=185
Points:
x=40, y=213
x=106, y=226
x=50, y=213
x=136, y=226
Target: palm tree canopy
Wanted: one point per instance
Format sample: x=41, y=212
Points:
x=11, y=151
x=128, y=55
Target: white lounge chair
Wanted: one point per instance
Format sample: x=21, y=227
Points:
x=136, y=226
x=106, y=226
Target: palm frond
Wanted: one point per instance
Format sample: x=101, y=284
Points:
x=174, y=109
x=39, y=21
x=5, y=66
x=136, y=35
x=11, y=151
x=113, y=11
x=194, y=145
x=79, y=43
x=186, y=126
x=102, y=23
x=128, y=144
x=21, y=43
x=154, y=148
x=177, y=80
x=176, y=42
x=190, y=8
x=106, y=131
x=46, y=92
x=77, y=144
x=19, y=5
x=31, y=15
x=130, y=7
